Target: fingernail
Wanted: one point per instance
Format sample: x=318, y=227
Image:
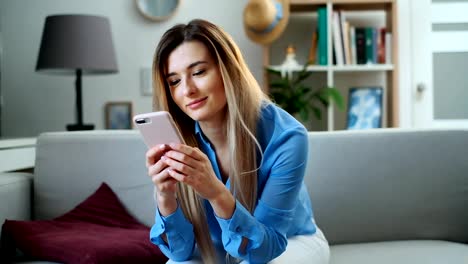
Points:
x=163, y=158
x=172, y=145
x=162, y=146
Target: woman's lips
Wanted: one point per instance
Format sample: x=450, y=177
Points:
x=197, y=103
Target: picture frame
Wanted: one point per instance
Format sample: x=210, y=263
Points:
x=118, y=115
x=364, y=108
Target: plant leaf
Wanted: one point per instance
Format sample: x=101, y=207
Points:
x=335, y=95
x=304, y=114
x=317, y=112
x=273, y=71
x=322, y=96
x=280, y=84
x=302, y=75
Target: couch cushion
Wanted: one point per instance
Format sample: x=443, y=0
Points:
x=389, y=184
x=15, y=196
x=84, y=159
x=99, y=230
x=401, y=252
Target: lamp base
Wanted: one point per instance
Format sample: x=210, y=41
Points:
x=77, y=127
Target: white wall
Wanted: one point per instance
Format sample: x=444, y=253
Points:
x=37, y=102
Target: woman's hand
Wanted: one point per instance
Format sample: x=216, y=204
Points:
x=192, y=167
x=166, y=186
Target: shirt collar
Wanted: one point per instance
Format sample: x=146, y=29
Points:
x=200, y=135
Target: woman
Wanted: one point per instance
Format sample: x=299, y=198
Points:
x=235, y=190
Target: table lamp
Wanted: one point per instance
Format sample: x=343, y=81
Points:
x=77, y=44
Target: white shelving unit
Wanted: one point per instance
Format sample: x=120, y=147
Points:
x=363, y=13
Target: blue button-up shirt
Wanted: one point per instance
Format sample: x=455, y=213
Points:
x=283, y=208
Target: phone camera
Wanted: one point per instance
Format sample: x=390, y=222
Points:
x=141, y=121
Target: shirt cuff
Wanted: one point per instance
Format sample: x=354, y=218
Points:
x=177, y=226
x=241, y=224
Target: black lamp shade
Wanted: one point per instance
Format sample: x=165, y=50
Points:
x=77, y=44
x=71, y=42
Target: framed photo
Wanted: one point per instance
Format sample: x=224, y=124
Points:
x=118, y=115
x=365, y=108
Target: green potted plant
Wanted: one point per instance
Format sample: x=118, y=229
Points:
x=300, y=99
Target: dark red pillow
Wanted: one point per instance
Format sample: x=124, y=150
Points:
x=99, y=230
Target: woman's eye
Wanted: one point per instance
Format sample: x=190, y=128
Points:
x=200, y=72
x=173, y=82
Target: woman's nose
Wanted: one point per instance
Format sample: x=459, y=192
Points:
x=189, y=87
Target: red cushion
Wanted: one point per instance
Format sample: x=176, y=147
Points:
x=99, y=230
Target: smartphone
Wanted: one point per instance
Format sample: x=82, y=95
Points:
x=157, y=128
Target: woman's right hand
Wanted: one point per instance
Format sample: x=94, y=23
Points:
x=165, y=185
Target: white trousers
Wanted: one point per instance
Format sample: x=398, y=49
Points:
x=304, y=249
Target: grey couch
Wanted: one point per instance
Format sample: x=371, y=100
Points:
x=380, y=196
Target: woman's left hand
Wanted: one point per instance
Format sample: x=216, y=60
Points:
x=191, y=166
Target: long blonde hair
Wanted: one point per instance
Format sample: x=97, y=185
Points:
x=244, y=100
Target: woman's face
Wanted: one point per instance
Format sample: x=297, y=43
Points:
x=195, y=82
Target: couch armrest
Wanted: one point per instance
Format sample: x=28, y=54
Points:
x=15, y=196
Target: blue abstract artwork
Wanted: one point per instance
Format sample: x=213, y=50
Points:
x=119, y=115
x=365, y=108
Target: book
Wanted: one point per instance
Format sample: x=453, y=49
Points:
x=352, y=38
x=337, y=40
x=388, y=47
x=381, y=45
x=361, y=45
x=369, y=36
x=374, y=45
x=346, y=43
x=313, y=49
x=322, y=36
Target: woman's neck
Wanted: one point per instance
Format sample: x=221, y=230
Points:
x=216, y=132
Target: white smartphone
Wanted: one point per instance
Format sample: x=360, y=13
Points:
x=157, y=128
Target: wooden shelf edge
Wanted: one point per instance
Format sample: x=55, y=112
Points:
x=344, y=68
x=308, y=2
x=352, y=5
x=351, y=2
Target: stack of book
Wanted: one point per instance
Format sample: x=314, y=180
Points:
x=351, y=44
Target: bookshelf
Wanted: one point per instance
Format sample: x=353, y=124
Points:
x=358, y=13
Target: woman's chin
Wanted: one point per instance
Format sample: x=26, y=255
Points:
x=197, y=115
x=206, y=114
